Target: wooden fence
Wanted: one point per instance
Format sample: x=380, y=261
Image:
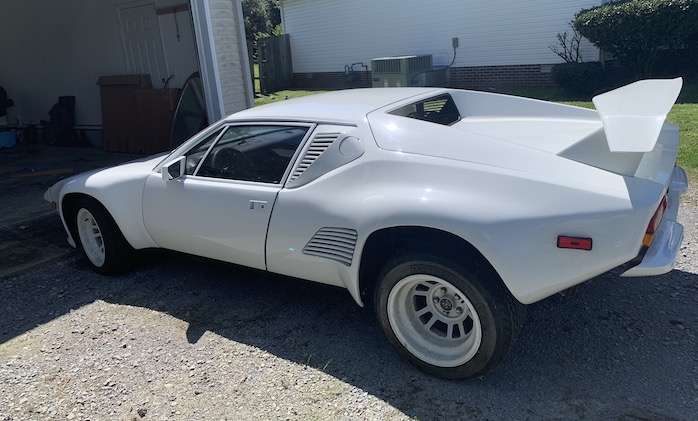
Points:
x=272, y=56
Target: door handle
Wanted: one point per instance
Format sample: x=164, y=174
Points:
x=258, y=204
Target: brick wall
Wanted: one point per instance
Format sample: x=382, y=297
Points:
x=331, y=80
x=499, y=76
x=482, y=77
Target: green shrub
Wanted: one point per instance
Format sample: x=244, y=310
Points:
x=579, y=78
x=636, y=31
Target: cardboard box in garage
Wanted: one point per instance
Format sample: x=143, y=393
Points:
x=121, y=125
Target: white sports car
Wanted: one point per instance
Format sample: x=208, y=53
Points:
x=447, y=210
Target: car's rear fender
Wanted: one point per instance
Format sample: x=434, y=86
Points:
x=382, y=244
x=511, y=218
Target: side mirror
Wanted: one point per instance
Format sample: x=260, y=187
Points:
x=175, y=169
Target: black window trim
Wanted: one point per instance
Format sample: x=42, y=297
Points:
x=227, y=124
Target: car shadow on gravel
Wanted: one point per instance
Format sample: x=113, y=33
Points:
x=621, y=348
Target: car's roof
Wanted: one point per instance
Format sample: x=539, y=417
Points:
x=349, y=105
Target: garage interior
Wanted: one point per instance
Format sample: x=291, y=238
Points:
x=90, y=84
x=113, y=71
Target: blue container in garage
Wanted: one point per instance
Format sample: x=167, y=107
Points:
x=8, y=139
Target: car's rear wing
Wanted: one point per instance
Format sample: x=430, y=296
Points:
x=633, y=115
x=632, y=138
x=626, y=135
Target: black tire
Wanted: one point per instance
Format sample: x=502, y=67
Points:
x=448, y=319
x=100, y=239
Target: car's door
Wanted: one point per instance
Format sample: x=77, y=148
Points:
x=220, y=207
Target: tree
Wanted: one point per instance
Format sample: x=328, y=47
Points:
x=262, y=18
x=568, y=47
x=636, y=31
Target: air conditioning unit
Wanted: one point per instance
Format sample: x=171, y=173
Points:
x=400, y=71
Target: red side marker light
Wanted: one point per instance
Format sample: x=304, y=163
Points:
x=576, y=243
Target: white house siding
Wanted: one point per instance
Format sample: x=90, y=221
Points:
x=326, y=35
x=231, y=54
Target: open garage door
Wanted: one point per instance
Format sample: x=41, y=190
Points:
x=61, y=48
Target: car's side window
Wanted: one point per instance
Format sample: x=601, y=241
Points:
x=196, y=154
x=253, y=153
x=440, y=110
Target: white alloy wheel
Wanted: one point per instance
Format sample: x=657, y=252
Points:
x=426, y=304
x=434, y=320
x=91, y=237
x=100, y=238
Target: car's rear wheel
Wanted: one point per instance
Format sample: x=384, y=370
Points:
x=100, y=238
x=450, y=320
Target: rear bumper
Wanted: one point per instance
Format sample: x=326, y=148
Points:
x=661, y=254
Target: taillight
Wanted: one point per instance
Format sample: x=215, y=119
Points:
x=654, y=223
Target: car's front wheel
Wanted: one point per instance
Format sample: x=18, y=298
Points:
x=448, y=319
x=100, y=238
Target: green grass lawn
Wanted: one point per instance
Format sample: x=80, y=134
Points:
x=684, y=114
x=282, y=95
x=686, y=117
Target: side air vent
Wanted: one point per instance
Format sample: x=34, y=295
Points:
x=333, y=243
x=320, y=143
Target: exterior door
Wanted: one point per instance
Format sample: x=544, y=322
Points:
x=212, y=218
x=142, y=41
x=222, y=206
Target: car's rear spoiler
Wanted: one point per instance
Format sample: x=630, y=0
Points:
x=633, y=115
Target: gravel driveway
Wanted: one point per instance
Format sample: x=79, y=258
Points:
x=188, y=339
